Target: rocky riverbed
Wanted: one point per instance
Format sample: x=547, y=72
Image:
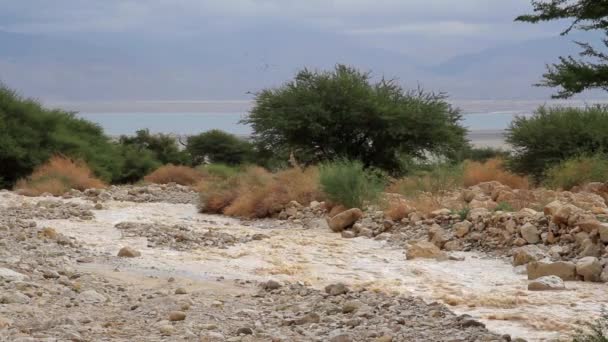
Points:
x=188, y=276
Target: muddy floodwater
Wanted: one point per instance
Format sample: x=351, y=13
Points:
x=486, y=288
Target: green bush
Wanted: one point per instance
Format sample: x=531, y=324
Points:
x=135, y=163
x=322, y=116
x=216, y=146
x=31, y=134
x=350, y=184
x=553, y=135
x=164, y=148
x=482, y=154
x=218, y=170
x=504, y=206
x=577, y=171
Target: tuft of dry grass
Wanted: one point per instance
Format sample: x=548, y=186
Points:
x=170, y=173
x=492, y=170
x=257, y=193
x=58, y=176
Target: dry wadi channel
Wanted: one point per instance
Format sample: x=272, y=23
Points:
x=65, y=275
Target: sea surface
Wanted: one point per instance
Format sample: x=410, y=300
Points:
x=485, y=119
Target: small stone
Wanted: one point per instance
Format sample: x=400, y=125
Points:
x=167, y=330
x=244, y=331
x=461, y=229
x=50, y=274
x=128, y=252
x=7, y=274
x=336, y=289
x=351, y=306
x=348, y=234
x=48, y=233
x=14, y=297
x=91, y=297
x=270, y=285
x=547, y=283
x=563, y=269
x=341, y=338
x=344, y=219
x=180, y=291
x=307, y=319
x=177, y=316
x=424, y=249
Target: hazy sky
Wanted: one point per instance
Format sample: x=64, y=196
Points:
x=424, y=32
x=369, y=20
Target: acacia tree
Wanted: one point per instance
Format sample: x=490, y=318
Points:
x=571, y=74
x=342, y=114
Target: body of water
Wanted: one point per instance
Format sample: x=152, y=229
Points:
x=486, y=128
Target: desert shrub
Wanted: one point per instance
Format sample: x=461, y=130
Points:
x=256, y=193
x=170, y=173
x=463, y=213
x=322, y=116
x=492, y=170
x=58, y=176
x=348, y=183
x=218, y=170
x=31, y=134
x=217, y=146
x=431, y=179
x=163, y=147
x=577, y=171
x=504, y=206
x=555, y=134
x=134, y=164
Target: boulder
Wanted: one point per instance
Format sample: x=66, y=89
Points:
x=589, y=268
x=336, y=289
x=175, y=316
x=564, y=213
x=437, y=235
x=7, y=274
x=552, y=208
x=525, y=254
x=589, y=225
x=128, y=252
x=440, y=212
x=424, y=249
x=477, y=213
x=563, y=269
x=603, y=231
x=461, y=229
x=547, y=283
x=530, y=233
x=344, y=219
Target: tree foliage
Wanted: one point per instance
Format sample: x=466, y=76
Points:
x=552, y=135
x=342, y=114
x=163, y=146
x=31, y=134
x=571, y=74
x=217, y=146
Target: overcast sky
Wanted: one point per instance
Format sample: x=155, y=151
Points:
x=427, y=32
x=384, y=19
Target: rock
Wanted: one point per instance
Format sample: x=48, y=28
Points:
x=351, y=306
x=440, y=212
x=454, y=245
x=91, y=297
x=461, y=229
x=180, y=291
x=244, y=331
x=14, y=297
x=384, y=338
x=166, y=329
x=344, y=219
x=603, y=231
x=589, y=225
x=336, y=289
x=50, y=274
x=525, y=254
x=7, y=274
x=348, y=234
x=128, y=252
x=590, y=249
x=547, y=283
x=589, y=268
x=48, y=233
x=177, y=316
x=308, y=319
x=564, y=213
x=424, y=249
x=341, y=338
x=477, y=213
x=437, y=235
x=552, y=208
x=270, y=285
x=563, y=269
x=530, y=233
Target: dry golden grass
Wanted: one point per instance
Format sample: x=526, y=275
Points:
x=262, y=194
x=398, y=209
x=170, y=173
x=492, y=170
x=58, y=176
